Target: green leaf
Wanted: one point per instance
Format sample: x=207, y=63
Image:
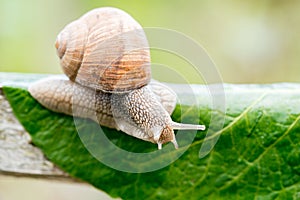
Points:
x=256, y=157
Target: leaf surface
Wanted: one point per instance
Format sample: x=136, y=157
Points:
x=257, y=155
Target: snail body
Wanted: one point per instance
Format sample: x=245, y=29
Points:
x=105, y=55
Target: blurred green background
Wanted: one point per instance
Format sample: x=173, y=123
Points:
x=250, y=41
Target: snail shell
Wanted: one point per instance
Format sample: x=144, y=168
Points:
x=105, y=49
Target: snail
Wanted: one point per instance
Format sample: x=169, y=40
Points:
x=106, y=57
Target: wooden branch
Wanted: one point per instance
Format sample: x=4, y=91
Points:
x=18, y=157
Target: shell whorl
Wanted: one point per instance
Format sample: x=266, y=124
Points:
x=105, y=49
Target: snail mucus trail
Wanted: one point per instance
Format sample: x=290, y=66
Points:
x=105, y=54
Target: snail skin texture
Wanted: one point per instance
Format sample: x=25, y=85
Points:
x=105, y=54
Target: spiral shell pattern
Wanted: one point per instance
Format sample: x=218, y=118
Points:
x=105, y=49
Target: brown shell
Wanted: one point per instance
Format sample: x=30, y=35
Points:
x=105, y=49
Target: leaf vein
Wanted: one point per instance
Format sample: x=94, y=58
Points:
x=212, y=136
x=236, y=178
